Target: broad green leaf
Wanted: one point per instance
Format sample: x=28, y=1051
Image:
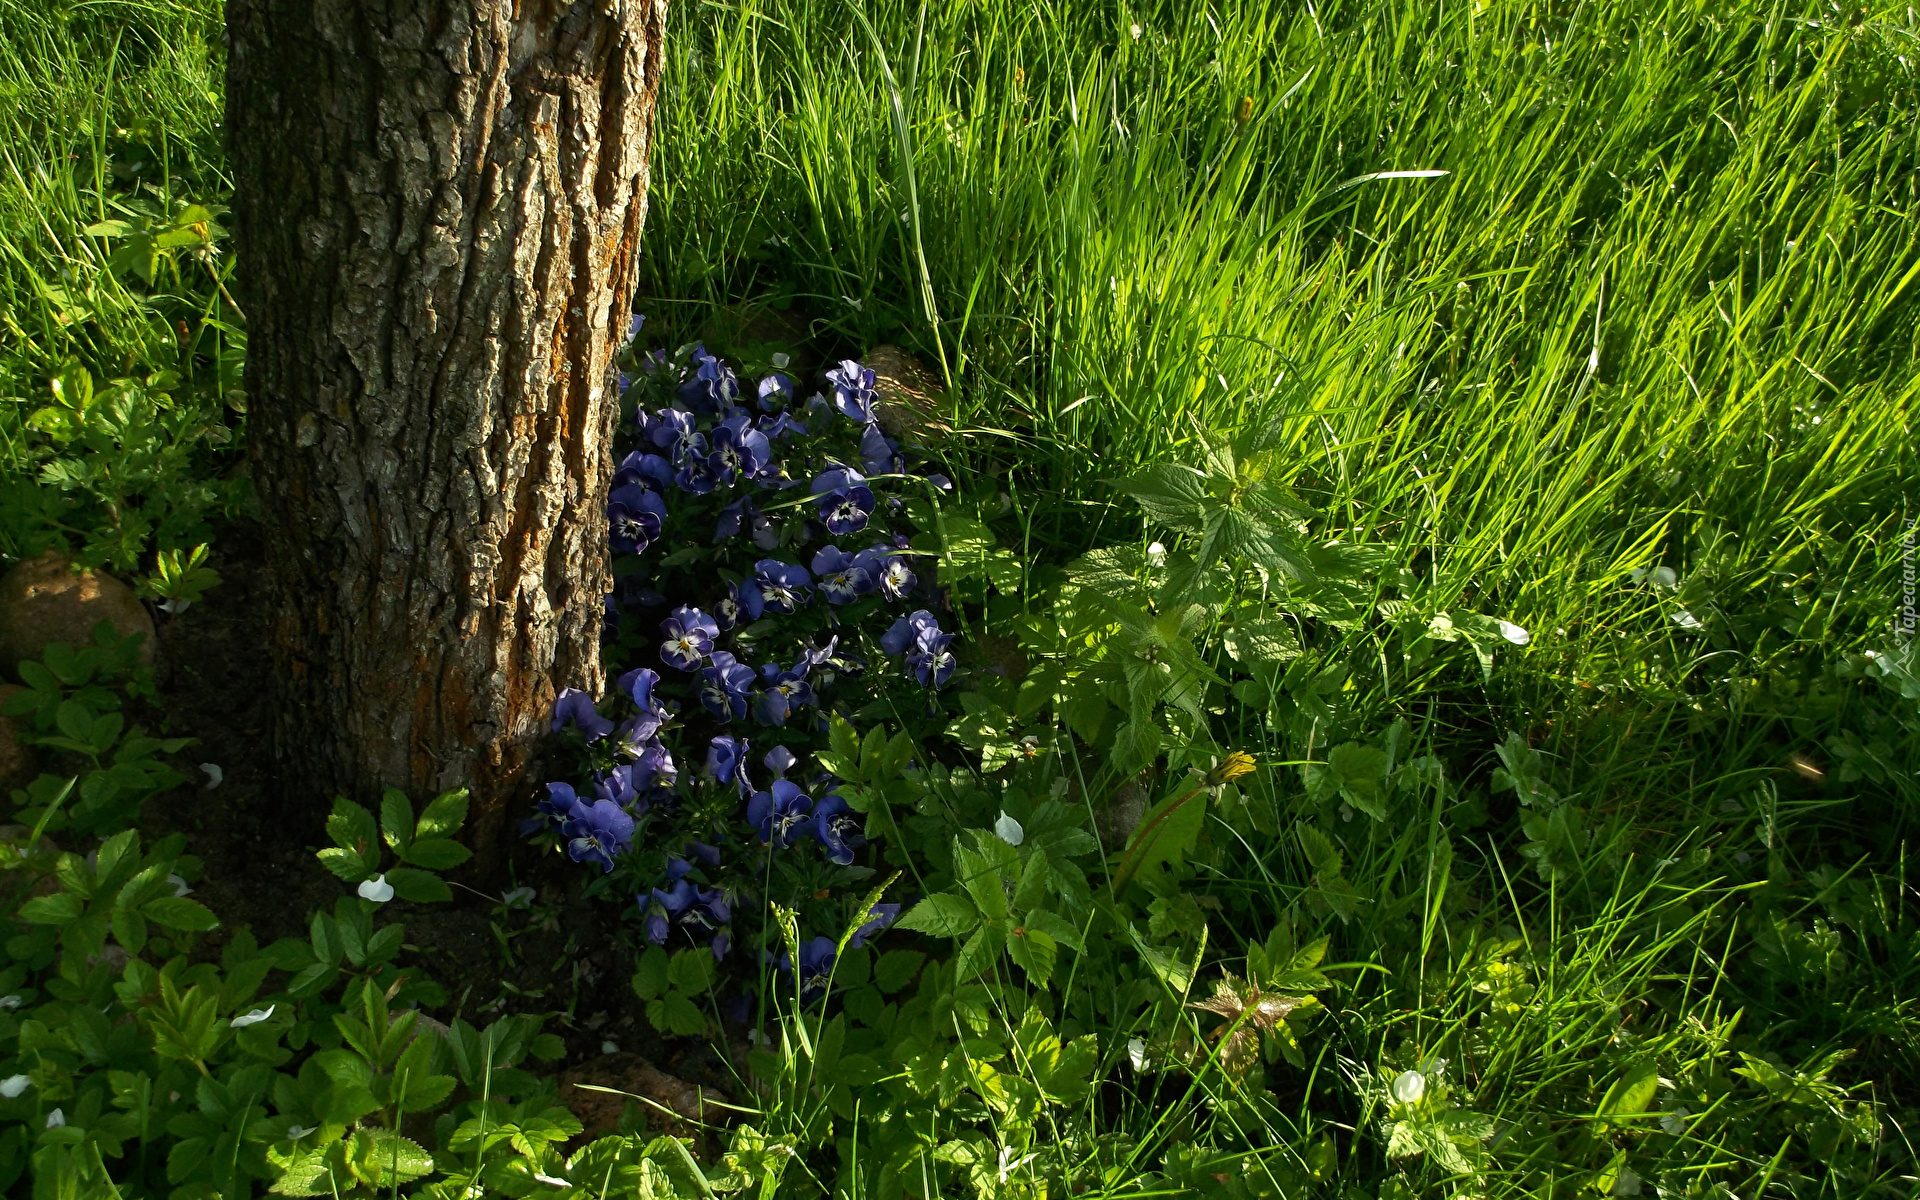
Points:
x=444, y=816
x=1168, y=831
x=351, y=826
x=1036, y=880
x=945, y=915
x=396, y=818
x=691, y=970
x=1136, y=745
x=420, y=887
x=1632, y=1093
x=343, y=863
x=980, y=951
x=1034, y=951
x=1171, y=494
x=57, y=909
x=178, y=912
x=650, y=973
x=437, y=854
x=896, y=968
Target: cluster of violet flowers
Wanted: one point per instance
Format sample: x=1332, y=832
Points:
x=722, y=448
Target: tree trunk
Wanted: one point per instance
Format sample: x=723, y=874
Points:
x=437, y=209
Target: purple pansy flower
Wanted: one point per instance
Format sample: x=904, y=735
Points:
x=782, y=425
x=838, y=829
x=713, y=386
x=775, y=587
x=728, y=611
x=853, y=393
x=638, y=684
x=888, y=567
x=671, y=429
x=779, y=811
x=774, y=392
x=909, y=631
x=843, y=577
x=782, y=691
x=574, y=707
x=650, y=471
x=845, y=500
x=779, y=760
x=598, y=834
x=634, y=515
x=690, y=635
x=560, y=803
x=727, y=763
x=931, y=662
x=880, y=454
x=654, y=768
x=739, y=450
x=725, y=686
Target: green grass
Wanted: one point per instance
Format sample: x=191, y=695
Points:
x=1660, y=311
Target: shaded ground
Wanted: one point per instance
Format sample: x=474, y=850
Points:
x=560, y=957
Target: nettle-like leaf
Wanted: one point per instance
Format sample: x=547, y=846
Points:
x=1248, y=1010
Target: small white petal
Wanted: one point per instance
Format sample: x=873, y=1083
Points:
x=1665, y=577
x=296, y=1132
x=1637, y=574
x=215, y=776
x=520, y=897
x=1514, y=633
x=1157, y=555
x=780, y=361
x=14, y=1001
x=609, y=1047
x=376, y=889
x=1409, y=1087
x=13, y=1085
x=253, y=1018
x=56, y=1119
x=550, y=1181
x=1687, y=620
x=1137, y=1053
x=180, y=887
x=1008, y=830
x=175, y=607
x=1627, y=1183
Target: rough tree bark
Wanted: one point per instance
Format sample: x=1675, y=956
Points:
x=437, y=209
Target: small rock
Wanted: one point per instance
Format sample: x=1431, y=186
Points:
x=19, y=762
x=909, y=392
x=635, y=1076
x=44, y=600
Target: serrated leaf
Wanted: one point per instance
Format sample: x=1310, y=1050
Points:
x=437, y=853
x=980, y=951
x=178, y=912
x=57, y=909
x=351, y=827
x=896, y=969
x=945, y=915
x=396, y=818
x=1035, y=951
x=418, y=886
x=1136, y=745
x=1169, y=493
x=344, y=864
x=444, y=816
x=650, y=973
x=1036, y=880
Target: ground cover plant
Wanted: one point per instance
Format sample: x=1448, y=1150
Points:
x=1374, y=669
